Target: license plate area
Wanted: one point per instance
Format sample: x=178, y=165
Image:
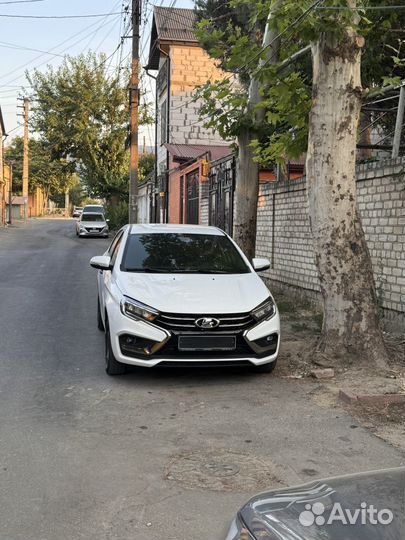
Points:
x=206, y=343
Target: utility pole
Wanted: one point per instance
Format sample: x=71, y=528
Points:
x=25, y=159
x=67, y=203
x=134, y=114
x=10, y=193
x=399, y=122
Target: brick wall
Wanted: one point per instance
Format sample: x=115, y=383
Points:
x=190, y=67
x=284, y=237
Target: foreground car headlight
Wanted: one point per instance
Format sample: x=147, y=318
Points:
x=136, y=310
x=238, y=531
x=265, y=310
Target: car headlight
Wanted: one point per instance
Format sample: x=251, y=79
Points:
x=265, y=310
x=136, y=310
x=238, y=531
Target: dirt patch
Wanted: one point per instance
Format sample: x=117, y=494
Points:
x=301, y=326
x=221, y=470
x=387, y=421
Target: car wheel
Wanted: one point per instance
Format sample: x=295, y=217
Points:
x=266, y=368
x=112, y=367
x=100, y=324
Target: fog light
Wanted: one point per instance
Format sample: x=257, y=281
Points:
x=266, y=344
x=135, y=345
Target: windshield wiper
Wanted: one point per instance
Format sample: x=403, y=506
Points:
x=147, y=269
x=200, y=271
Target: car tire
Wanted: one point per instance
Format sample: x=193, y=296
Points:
x=100, y=324
x=112, y=367
x=266, y=368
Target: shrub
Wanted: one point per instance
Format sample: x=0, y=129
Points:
x=117, y=214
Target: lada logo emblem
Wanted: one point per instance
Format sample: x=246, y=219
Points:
x=207, y=323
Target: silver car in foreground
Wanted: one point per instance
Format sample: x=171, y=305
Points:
x=92, y=224
x=364, y=506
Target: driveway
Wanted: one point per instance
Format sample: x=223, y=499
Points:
x=151, y=455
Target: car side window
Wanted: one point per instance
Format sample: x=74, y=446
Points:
x=116, y=238
x=115, y=250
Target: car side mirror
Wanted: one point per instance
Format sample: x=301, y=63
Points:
x=101, y=262
x=259, y=264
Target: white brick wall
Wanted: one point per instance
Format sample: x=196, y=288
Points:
x=381, y=194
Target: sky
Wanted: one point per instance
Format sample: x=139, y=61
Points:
x=53, y=38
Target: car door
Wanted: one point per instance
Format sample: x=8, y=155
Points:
x=104, y=276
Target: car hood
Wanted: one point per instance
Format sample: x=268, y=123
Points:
x=195, y=293
x=278, y=515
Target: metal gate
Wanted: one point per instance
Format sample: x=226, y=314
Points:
x=221, y=187
x=193, y=197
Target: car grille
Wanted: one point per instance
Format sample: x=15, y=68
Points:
x=231, y=322
x=93, y=229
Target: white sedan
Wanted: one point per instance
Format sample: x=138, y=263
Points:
x=183, y=295
x=92, y=224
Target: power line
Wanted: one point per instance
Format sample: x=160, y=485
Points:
x=7, y=45
x=20, y=1
x=53, y=48
x=103, y=24
x=60, y=16
x=243, y=68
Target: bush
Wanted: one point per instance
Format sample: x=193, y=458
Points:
x=117, y=214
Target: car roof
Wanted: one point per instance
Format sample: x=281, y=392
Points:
x=95, y=214
x=163, y=228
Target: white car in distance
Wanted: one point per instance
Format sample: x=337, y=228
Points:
x=92, y=224
x=178, y=295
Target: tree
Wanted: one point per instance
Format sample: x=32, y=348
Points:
x=82, y=112
x=47, y=173
x=146, y=165
x=334, y=31
x=351, y=324
x=251, y=110
x=275, y=122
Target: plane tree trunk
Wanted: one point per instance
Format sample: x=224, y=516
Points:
x=351, y=329
x=247, y=174
x=246, y=195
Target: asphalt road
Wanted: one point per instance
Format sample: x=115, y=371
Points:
x=151, y=455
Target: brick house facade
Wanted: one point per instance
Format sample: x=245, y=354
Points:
x=181, y=65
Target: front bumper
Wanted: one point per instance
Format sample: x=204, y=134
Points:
x=102, y=232
x=251, y=344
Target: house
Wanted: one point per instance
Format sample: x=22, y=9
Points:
x=182, y=65
x=185, y=149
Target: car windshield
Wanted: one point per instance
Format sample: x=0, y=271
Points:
x=93, y=209
x=185, y=253
x=92, y=217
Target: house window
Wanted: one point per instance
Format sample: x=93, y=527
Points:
x=163, y=122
